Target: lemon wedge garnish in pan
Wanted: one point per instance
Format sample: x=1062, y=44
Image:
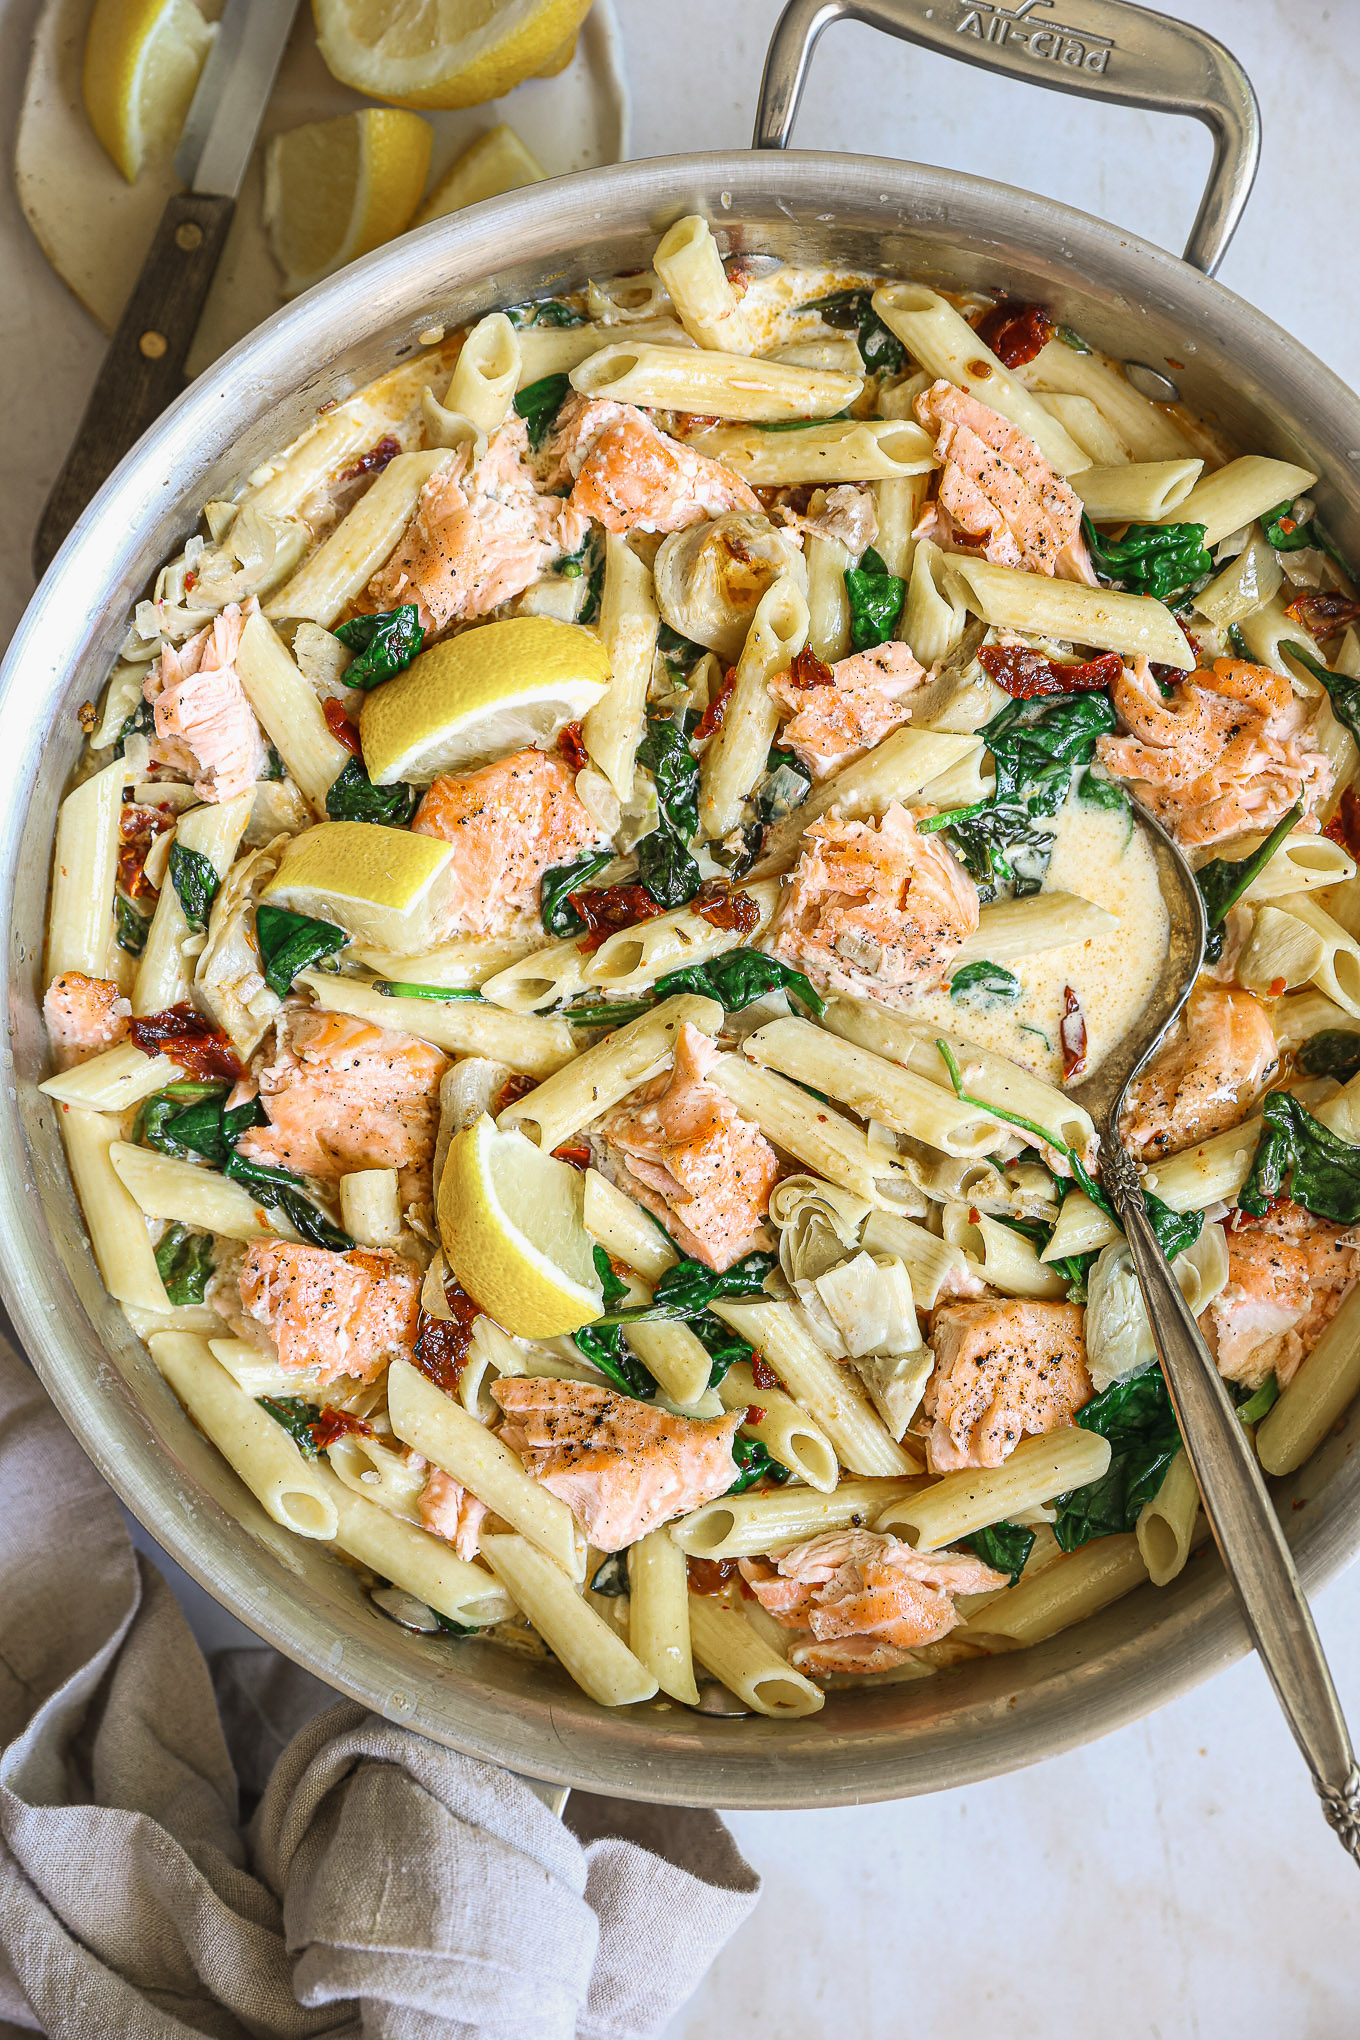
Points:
x=445, y=52
x=496, y=162
x=142, y=60
x=480, y=696
x=335, y=189
x=510, y=1221
x=382, y=885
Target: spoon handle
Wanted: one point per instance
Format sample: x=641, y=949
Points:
x=1245, y=1525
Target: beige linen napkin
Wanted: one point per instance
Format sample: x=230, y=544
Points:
x=386, y=1887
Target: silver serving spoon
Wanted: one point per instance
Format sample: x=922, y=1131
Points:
x=1236, y=1502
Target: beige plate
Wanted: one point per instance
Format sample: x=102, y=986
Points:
x=95, y=228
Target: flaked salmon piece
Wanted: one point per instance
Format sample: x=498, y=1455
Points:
x=1230, y=749
x=477, y=539
x=342, y=1094
x=868, y=1600
x=874, y=907
x=629, y=476
x=832, y=724
x=997, y=490
x=83, y=1015
x=205, y=726
x=681, y=1148
x=1288, y=1275
x=509, y=823
x=447, y=1509
x=1003, y=1371
x=622, y=1467
x=336, y=1314
x=1206, y=1078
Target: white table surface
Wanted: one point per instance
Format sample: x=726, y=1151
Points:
x=1175, y=1881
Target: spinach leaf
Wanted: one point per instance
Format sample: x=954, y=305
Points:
x=555, y=910
x=796, y=424
x=555, y=312
x=666, y=869
x=191, y=1119
x=755, y=1464
x=725, y=1347
x=680, y=653
x=291, y=942
x=1299, y=1158
x=274, y=767
x=740, y=976
x=1103, y=793
x=1003, y=1546
x=281, y=1191
x=448, y=1627
x=665, y=866
x=130, y=928
x=985, y=984
x=1071, y=338
x=611, y=1577
x=538, y=403
x=1222, y=882
x=613, y=1288
x=184, y=1261
x=1343, y=691
x=196, y=883
x=1273, y=524
x=141, y=723
x=297, y=1418
x=602, y=1345
x=1174, y=1230
x=606, y=1013
x=1257, y=1406
x=875, y=598
x=1162, y=560
x=1334, y=1052
x=853, y=311
x=689, y=1288
x=354, y=798
x=385, y=644
x=786, y=785
x=1136, y=1416
x=590, y=608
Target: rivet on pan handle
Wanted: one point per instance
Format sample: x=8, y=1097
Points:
x=1102, y=49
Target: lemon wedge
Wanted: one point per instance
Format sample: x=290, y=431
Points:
x=479, y=696
x=383, y=886
x=445, y=52
x=496, y=162
x=334, y=189
x=510, y=1220
x=142, y=60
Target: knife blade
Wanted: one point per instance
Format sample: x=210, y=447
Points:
x=232, y=93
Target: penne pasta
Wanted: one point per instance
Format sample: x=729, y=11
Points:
x=831, y=1396
x=84, y=864
x=1236, y=494
x=1029, y=926
x=727, y=1645
x=658, y=1614
x=934, y=614
x=486, y=374
x=847, y=450
x=898, y=505
x=900, y=766
x=629, y=622
x=556, y=350
x=826, y=1142
x=343, y=564
x=828, y=604
x=113, y=1081
x=1317, y=1398
x=573, y=1098
x=161, y=1186
x=543, y=979
x=634, y=958
x=461, y=1026
x=164, y=976
x=288, y=707
x=960, y=1503
x=736, y=752
x=590, y=1650
x=1000, y=1256
x=624, y=1229
x=113, y=1214
x=688, y=264
x=1143, y=427
x=1166, y=1525
x=783, y=1427
x=1142, y=492
x=874, y=1087
x=1094, y=435
x=743, y=1526
x=714, y=384
x=414, y=1560
x=1075, y=1586
x=1133, y=625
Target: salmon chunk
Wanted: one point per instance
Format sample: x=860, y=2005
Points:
x=449, y=1511
x=205, y=726
x=83, y=1015
x=682, y=1149
x=866, y=1600
x=1288, y=1274
x=630, y=477
x=874, y=907
x=1231, y=749
x=509, y=823
x=622, y=1467
x=478, y=538
x=839, y=718
x=998, y=492
x=1206, y=1078
x=333, y=1314
x=1003, y=1371
x=342, y=1094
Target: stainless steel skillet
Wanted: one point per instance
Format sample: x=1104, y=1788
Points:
x=1135, y=300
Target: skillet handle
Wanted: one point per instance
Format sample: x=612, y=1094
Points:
x=1103, y=49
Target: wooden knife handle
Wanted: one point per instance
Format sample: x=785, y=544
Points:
x=143, y=370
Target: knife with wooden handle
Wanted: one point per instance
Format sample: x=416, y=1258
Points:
x=143, y=370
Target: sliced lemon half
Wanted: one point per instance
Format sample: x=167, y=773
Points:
x=445, y=52
x=142, y=60
x=335, y=189
x=510, y=1220
x=496, y=162
x=383, y=886
x=480, y=696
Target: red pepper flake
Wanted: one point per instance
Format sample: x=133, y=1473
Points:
x=200, y=1049
x=339, y=725
x=442, y=1344
x=734, y=912
x=1322, y=614
x=571, y=744
x=574, y=1152
x=762, y=1373
x=332, y=1425
x=374, y=461
x=1288, y=525
x=1171, y=362
x=1024, y=672
x=709, y=1575
x=1344, y=826
x=1277, y=987
x=607, y=908
x=808, y=670
x=754, y=1413
x=511, y=1091
x=1015, y=333
x=1072, y=1033
x=711, y=719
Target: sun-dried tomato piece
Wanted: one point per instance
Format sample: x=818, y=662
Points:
x=374, y=461
x=200, y=1049
x=711, y=719
x=571, y=744
x=607, y=908
x=332, y=1425
x=716, y=903
x=1015, y=333
x=576, y=1153
x=709, y=1575
x=808, y=670
x=1072, y=1034
x=1344, y=826
x=1164, y=675
x=511, y=1091
x=138, y=828
x=754, y=1413
x=1242, y=1221
x=442, y=1344
x=1323, y=612
x=340, y=726
x=1024, y=671
x=762, y=1373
